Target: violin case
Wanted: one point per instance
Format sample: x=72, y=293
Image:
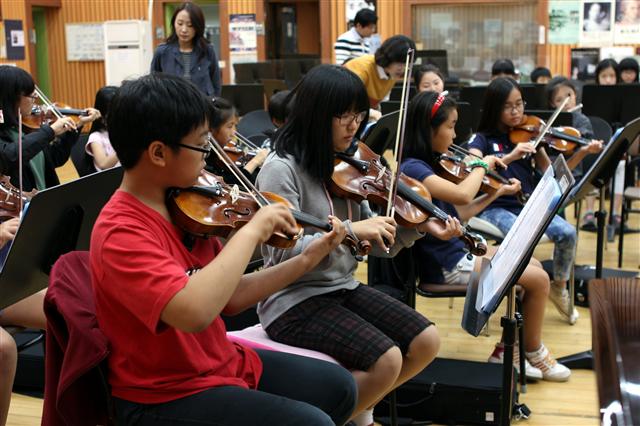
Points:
x=451, y=391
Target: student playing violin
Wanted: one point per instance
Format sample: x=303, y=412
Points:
x=503, y=109
x=381, y=340
x=159, y=303
x=557, y=90
x=431, y=121
x=98, y=145
x=223, y=120
x=41, y=151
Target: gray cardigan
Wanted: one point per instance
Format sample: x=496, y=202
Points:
x=284, y=177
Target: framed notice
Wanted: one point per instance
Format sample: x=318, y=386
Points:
x=84, y=42
x=564, y=22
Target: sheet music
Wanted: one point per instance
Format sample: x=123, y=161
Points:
x=519, y=238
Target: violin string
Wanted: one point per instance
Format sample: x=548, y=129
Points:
x=246, y=141
x=244, y=181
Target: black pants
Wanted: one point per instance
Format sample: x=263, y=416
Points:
x=293, y=390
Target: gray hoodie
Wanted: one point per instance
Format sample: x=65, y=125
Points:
x=284, y=177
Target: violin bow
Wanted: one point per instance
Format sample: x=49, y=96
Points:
x=20, y=202
x=402, y=121
x=549, y=123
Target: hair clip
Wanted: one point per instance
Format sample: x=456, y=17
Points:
x=438, y=103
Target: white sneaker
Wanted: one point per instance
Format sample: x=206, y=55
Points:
x=497, y=357
x=560, y=298
x=551, y=369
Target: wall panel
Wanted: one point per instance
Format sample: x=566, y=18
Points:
x=17, y=10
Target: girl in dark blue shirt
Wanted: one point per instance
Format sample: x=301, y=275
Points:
x=503, y=109
x=431, y=120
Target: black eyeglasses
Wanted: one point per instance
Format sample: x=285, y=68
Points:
x=206, y=152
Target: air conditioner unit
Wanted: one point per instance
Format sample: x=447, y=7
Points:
x=128, y=50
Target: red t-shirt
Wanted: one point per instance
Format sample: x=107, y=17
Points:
x=138, y=263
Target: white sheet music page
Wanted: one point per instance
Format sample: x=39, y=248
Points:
x=519, y=238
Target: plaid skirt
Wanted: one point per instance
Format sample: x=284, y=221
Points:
x=355, y=327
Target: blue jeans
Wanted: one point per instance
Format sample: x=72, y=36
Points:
x=293, y=390
x=561, y=232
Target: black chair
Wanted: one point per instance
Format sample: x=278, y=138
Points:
x=82, y=161
x=254, y=122
x=244, y=74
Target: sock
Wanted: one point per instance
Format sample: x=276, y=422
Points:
x=365, y=418
x=537, y=353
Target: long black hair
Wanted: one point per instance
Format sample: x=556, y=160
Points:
x=629, y=64
x=14, y=83
x=494, y=99
x=221, y=110
x=327, y=91
x=421, y=126
x=102, y=103
x=605, y=64
x=197, y=22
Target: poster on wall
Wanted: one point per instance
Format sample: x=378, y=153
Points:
x=84, y=42
x=596, y=23
x=243, y=41
x=584, y=62
x=627, y=22
x=14, y=39
x=564, y=22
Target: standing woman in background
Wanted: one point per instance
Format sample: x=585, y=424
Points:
x=187, y=53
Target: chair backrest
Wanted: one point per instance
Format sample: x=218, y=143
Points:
x=79, y=157
x=601, y=129
x=253, y=122
x=75, y=388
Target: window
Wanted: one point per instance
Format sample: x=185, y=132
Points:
x=475, y=35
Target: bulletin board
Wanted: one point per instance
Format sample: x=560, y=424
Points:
x=84, y=41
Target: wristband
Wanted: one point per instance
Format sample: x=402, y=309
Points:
x=479, y=163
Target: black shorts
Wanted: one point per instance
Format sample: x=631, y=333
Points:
x=355, y=326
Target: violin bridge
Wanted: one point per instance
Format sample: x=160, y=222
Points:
x=381, y=174
x=235, y=193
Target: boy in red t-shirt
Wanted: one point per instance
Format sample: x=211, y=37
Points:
x=159, y=301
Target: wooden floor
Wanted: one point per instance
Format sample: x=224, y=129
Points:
x=571, y=403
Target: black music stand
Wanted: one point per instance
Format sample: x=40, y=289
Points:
x=563, y=119
x=382, y=135
x=58, y=220
x=498, y=276
x=245, y=97
x=597, y=177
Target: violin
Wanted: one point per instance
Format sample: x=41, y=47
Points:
x=561, y=138
x=215, y=208
x=42, y=114
x=362, y=176
x=10, y=200
x=453, y=168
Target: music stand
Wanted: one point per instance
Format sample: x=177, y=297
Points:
x=58, y=220
x=603, y=102
x=597, y=177
x=383, y=134
x=245, y=97
x=499, y=275
x=534, y=95
x=563, y=119
x=465, y=125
